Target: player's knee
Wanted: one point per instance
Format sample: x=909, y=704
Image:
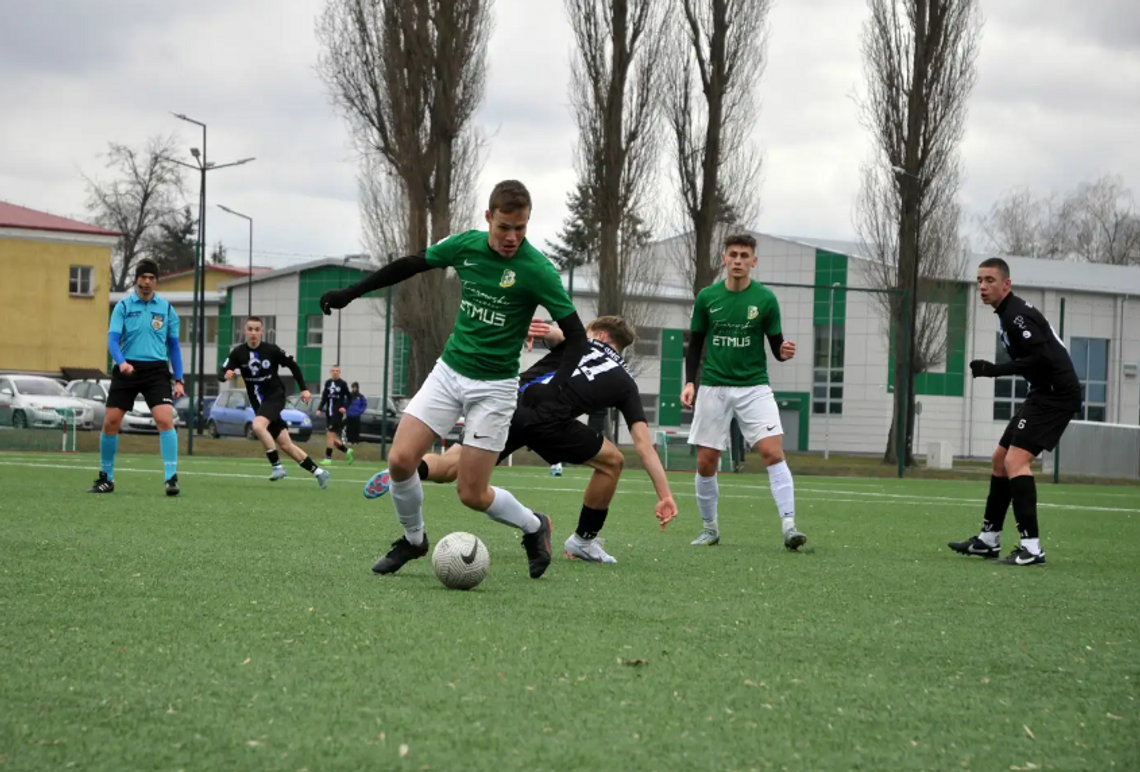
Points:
x=771, y=455
x=475, y=497
x=402, y=463
x=613, y=462
x=999, y=462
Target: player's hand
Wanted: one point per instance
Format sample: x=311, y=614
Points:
x=342, y=410
x=179, y=390
x=319, y=413
x=333, y=299
x=688, y=395
x=307, y=397
x=787, y=350
x=980, y=368
x=665, y=510
x=538, y=329
x=126, y=368
x=229, y=374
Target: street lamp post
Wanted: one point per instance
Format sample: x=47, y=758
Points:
x=198, y=343
x=249, y=279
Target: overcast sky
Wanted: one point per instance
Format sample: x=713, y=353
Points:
x=1057, y=102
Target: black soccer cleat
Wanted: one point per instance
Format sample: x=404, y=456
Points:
x=403, y=551
x=1023, y=557
x=172, y=486
x=975, y=546
x=102, y=485
x=537, y=546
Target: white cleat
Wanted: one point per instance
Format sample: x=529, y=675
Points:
x=706, y=538
x=556, y=470
x=590, y=550
x=322, y=476
x=278, y=474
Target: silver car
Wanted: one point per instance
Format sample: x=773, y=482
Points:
x=94, y=395
x=35, y=401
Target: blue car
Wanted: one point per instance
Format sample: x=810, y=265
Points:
x=231, y=416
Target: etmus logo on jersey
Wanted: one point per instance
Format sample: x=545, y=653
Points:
x=753, y=312
x=508, y=279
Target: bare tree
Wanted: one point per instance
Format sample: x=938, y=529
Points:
x=714, y=63
x=615, y=78
x=408, y=76
x=918, y=58
x=1021, y=224
x=1103, y=223
x=144, y=193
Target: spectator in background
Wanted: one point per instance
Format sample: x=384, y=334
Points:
x=357, y=404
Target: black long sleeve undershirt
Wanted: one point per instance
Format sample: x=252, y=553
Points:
x=697, y=345
x=576, y=346
x=394, y=272
x=1022, y=366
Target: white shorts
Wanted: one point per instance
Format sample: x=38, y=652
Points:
x=488, y=406
x=754, y=407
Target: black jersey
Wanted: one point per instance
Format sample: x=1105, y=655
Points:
x=602, y=380
x=334, y=396
x=1037, y=352
x=258, y=368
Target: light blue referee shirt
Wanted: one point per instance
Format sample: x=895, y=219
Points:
x=146, y=331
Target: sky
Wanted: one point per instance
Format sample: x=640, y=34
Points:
x=1057, y=102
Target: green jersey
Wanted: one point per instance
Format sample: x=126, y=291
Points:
x=497, y=305
x=736, y=323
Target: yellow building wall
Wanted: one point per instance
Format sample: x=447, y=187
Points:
x=45, y=328
x=186, y=283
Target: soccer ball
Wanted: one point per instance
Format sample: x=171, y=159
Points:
x=460, y=560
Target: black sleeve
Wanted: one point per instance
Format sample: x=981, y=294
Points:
x=324, y=397
x=774, y=343
x=286, y=360
x=393, y=273
x=576, y=346
x=632, y=409
x=342, y=399
x=1022, y=366
x=230, y=363
x=693, y=358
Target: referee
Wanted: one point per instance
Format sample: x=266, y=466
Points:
x=1037, y=354
x=143, y=341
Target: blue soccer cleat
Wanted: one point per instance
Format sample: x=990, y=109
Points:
x=378, y=485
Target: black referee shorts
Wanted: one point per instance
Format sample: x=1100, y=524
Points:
x=151, y=379
x=556, y=442
x=1039, y=424
x=271, y=408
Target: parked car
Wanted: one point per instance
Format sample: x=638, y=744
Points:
x=319, y=423
x=372, y=421
x=231, y=416
x=93, y=394
x=139, y=419
x=182, y=410
x=35, y=401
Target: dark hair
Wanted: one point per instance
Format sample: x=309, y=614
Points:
x=741, y=240
x=617, y=328
x=255, y=319
x=996, y=262
x=146, y=265
x=508, y=197
x=356, y=384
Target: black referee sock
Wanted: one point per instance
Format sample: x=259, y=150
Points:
x=341, y=447
x=309, y=465
x=997, y=504
x=1025, y=505
x=274, y=459
x=590, y=521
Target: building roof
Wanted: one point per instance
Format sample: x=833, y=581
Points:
x=235, y=271
x=352, y=261
x=13, y=216
x=181, y=298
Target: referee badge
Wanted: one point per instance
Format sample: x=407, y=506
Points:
x=157, y=321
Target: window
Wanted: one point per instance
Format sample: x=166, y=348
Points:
x=268, y=323
x=1090, y=359
x=1010, y=390
x=80, y=282
x=186, y=331
x=314, y=326
x=827, y=369
x=649, y=405
x=648, y=342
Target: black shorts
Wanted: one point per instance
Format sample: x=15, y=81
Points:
x=151, y=379
x=1039, y=424
x=336, y=421
x=556, y=442
x=271, y=408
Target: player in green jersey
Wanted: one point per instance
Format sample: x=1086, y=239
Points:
x=504, y=280
x=734, y=316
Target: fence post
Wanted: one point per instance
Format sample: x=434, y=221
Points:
x=1057, y=450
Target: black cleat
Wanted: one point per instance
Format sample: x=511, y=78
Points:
x=975, y=546
x=537, y=546
x=1023, y=557
x=102, y=485
x=172, y=486
x=403, y=551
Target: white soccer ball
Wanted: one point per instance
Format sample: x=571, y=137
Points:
x=460, y=560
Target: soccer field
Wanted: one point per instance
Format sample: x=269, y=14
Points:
x=239, y=627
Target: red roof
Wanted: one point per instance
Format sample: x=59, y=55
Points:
x=12, y=216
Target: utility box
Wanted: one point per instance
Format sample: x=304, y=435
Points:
x=939, y=456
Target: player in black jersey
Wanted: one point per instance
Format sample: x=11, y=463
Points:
x=334, y=404
x=256, y=361
x=1037, y=354
x=546, y=421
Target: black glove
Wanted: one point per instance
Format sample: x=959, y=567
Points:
x=980, y=368
x=334, y=299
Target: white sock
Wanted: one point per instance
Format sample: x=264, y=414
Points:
x=1033, y=545
x=506, y=509
x=408, y=498
x=707, y=494
x=784, y=492
x=991, y=538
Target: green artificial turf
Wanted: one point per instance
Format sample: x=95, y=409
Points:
x=238, y=627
